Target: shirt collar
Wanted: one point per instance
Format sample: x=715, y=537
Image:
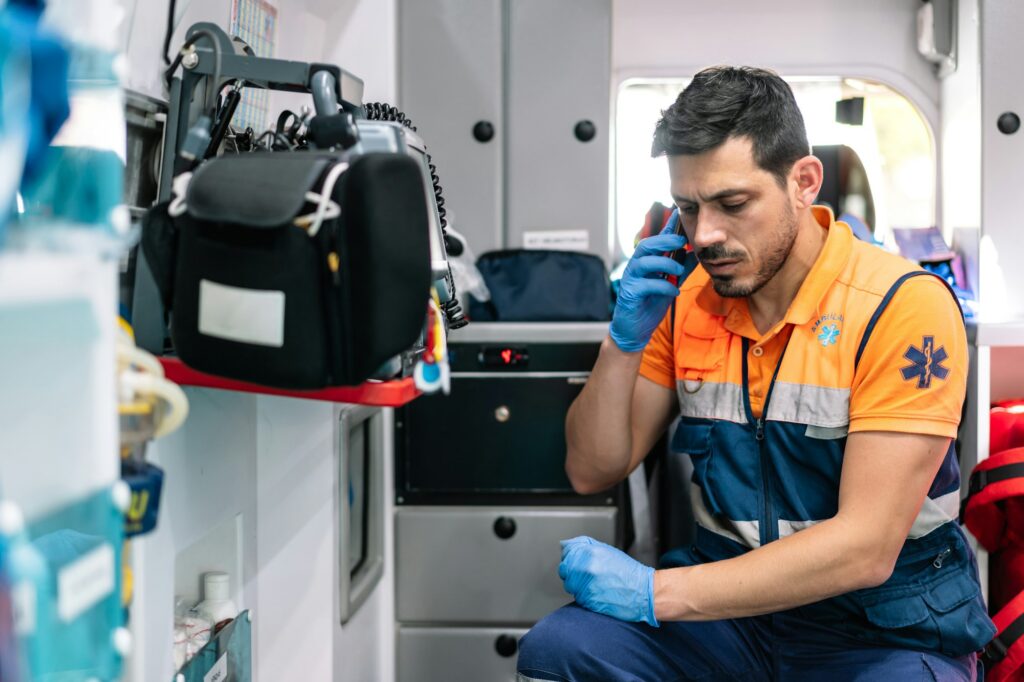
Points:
x=822, y=275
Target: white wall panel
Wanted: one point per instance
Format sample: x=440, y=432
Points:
x=868, y=38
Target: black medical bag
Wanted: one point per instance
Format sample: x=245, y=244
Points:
x=255, y=295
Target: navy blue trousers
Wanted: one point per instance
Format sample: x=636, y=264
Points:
x=576, y=645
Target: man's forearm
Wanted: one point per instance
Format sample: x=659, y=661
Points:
x=823, y=561
x=598, y=426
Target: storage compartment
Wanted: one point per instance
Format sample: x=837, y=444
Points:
x=481, y=654
x=504, y=434
x=486, y=564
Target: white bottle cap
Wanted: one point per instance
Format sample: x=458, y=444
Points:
x=216, y=586
x=12, y=521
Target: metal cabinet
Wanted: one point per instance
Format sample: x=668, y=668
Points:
x=486, y=564
x=450, y=63
x=512, y=98
x=432, y=654
x=482, y=499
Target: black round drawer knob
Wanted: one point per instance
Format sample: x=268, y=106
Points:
x=483, y=131
x=504, y=527
x=506, y=646
x=585, y=131
x=1008, y=123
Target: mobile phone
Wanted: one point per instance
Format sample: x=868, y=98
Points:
x=679, y=255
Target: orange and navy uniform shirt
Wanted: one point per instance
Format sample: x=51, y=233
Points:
x=866, y=345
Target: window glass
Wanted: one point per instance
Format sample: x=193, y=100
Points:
x=893, y=186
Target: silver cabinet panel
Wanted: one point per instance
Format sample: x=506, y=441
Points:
x=437, y=654
x=450, y=65
x=1002, y=171
x=451, y=566
x=559, y=70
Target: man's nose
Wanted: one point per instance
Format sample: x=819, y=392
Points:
x=709, y=231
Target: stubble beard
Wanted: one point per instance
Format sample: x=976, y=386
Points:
x=775, y=254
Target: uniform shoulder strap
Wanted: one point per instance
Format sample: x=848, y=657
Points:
x=884, y=304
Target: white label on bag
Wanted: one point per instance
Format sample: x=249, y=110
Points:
x=84, y=582
x=249, y=315
x=219, y=671
x=557, y=240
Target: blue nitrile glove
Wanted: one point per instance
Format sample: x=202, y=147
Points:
x=644, y=295
x=606, y=580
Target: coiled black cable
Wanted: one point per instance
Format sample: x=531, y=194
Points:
x=380, y=111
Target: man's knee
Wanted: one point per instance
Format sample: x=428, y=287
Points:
x=558, y=638
x=542, y=649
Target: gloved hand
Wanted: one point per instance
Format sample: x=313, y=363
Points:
x=606, y=580
x=644, y=295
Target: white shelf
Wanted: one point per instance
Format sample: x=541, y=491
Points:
x=1004, y=333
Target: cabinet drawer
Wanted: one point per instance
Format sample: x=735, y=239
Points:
x=486, y=564
x=479, y=654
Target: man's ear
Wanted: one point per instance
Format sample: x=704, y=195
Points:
x=805, y=180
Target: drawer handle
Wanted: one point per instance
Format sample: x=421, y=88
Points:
x=483, y=131
x=504, y=527
x=506, y=646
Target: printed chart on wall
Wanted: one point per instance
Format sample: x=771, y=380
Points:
x=255, y=22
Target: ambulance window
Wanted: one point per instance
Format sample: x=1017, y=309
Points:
x=892, y=149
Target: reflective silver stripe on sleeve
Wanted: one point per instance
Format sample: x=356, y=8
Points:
x=746, y=533
x=934, y=513
x=787, y=528
x=711, y=400
x=806, y=404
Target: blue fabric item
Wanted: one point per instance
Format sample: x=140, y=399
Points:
x=859, y=228
x=577, y=645
x=644, y=295
x=537, y=285
x=606, y=580
x=49, y=106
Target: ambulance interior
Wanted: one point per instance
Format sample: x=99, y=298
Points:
x=404, y=525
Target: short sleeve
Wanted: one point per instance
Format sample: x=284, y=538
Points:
x=912, y=376
x=658, y=363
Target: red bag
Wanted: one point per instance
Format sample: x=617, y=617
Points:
x=994, y=513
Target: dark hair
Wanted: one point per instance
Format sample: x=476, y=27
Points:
x=723, y=102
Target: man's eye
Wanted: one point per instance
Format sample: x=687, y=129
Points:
x=734, y=207
x=688, y=210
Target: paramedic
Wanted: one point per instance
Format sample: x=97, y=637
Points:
x=819, y=382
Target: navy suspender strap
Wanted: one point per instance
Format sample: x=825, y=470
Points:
x=885, y=304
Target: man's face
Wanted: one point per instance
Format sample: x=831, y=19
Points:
x=738, y=218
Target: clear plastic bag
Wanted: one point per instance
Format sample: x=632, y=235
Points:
x=468, y=280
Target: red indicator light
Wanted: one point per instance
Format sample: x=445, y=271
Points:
x=506, y=355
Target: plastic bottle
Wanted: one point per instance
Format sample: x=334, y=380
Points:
x=28, y=577
x=9, y=669
x=77, y=202
x=217, y=605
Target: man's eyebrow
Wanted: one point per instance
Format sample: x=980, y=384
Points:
x=723, y=194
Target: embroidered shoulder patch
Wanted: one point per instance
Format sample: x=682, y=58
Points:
x=925, y=363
